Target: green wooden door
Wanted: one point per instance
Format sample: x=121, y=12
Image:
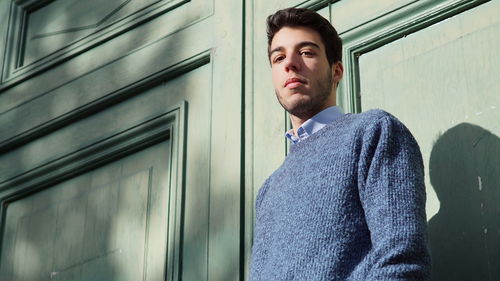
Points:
x=433, y=64
x=120, y=144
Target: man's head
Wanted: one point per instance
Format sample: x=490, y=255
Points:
x=305, y=52
x=295, y=17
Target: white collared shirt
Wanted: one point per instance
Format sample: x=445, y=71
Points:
x=315, y=123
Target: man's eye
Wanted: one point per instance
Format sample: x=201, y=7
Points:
x=278, y=59
x=307, y=53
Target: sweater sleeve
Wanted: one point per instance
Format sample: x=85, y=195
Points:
x=392, y=194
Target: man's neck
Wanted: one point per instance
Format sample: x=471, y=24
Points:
x=297, y=121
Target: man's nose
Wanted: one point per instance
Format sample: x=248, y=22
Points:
x=292, y=63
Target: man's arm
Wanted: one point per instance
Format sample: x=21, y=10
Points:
x=392, y=193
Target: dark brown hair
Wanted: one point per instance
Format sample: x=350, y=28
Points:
x=293, y=17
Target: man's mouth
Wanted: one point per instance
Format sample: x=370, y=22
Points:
x=294, y=82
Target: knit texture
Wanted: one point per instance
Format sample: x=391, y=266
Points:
x=348, y=203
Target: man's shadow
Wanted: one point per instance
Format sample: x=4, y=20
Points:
x=464, y=235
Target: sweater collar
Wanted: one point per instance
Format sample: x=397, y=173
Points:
x=315, y=123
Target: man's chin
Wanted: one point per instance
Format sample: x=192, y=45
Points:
x=297, y=104
x=301, y=110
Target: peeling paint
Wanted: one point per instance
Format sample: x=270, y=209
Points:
x=480, y=183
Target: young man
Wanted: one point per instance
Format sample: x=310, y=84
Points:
x=348, y=201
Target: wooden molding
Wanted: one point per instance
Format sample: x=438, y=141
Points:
x=388, y=28
x=316, y=4
x=106, y=101
x=31, y=4
x=132, y=139
x=15, y=73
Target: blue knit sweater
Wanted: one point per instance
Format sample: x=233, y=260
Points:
x=346, y=204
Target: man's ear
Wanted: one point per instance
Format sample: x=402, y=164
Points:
x=337, y=72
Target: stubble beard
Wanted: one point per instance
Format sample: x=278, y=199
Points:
x=307, y=108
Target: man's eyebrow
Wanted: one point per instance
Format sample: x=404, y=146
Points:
x=299, y=45
x=277, y=49
x=308, y=43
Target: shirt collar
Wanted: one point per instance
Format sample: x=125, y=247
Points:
x=315, y=123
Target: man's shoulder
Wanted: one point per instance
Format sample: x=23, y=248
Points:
x=374, y=115
x=375, y=122
x=378, y=123
x=376, y=118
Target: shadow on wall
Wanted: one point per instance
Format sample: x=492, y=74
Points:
x=464, y=235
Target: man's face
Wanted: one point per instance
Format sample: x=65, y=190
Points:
x=301, y=74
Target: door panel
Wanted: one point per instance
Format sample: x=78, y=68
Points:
x=49, y=28
x=93, y=227
x=45, y=33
